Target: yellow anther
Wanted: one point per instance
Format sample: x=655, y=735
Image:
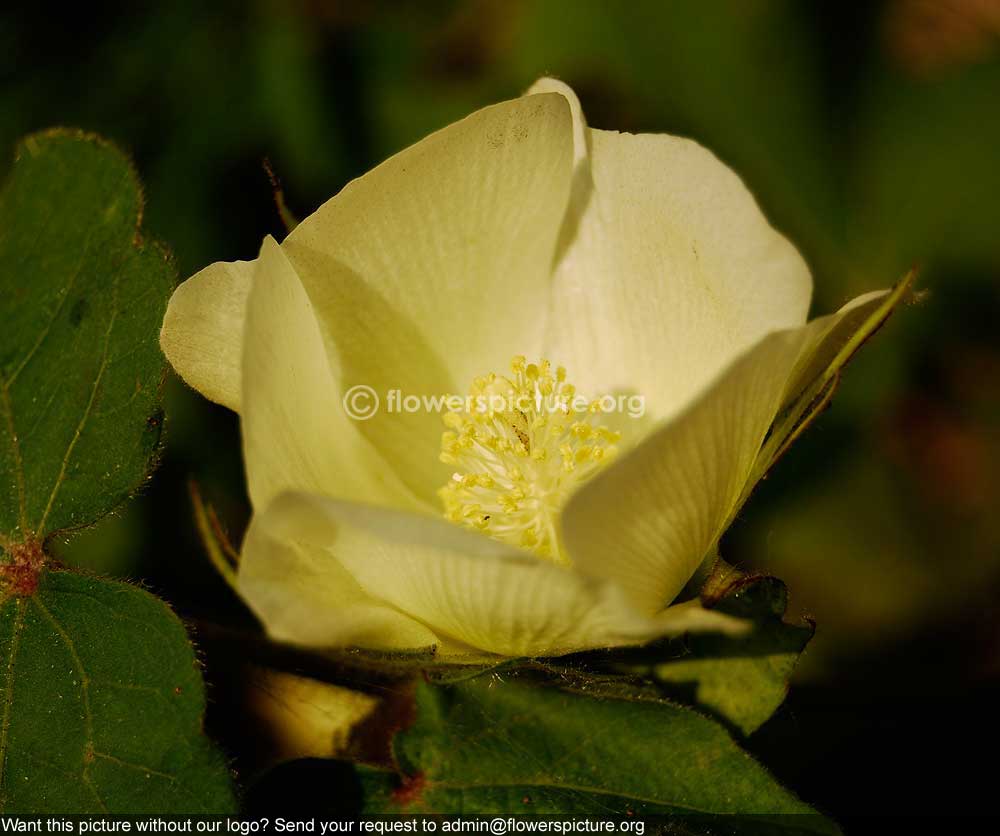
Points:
x=611, y=436
x=519, y=453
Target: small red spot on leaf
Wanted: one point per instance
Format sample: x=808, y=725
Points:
x=19, y=577
x=410, y=790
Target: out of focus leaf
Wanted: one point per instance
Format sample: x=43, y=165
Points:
x=925, y=184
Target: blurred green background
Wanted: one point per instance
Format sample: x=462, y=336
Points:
x=870, y=133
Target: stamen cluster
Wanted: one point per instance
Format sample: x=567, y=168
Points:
x=520, y=448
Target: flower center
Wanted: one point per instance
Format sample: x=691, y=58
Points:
x=520, y=446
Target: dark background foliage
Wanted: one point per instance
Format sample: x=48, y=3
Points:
x=870, y=134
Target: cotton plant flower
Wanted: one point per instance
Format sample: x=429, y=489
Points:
x=515, y=252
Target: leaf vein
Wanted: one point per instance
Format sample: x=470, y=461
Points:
x=8, y=698
x=88, y=717
x=86, y=412
x=15, y=446
x=84, y=251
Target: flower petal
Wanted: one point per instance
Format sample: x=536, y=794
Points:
x=554, y=85
x=649, y=520
x=202, y=333
x=671, y=273
x=302, y=594
x=465, y=587
x=296, y=433
x=433, y=268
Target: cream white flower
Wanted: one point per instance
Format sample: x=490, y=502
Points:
x=640, y=264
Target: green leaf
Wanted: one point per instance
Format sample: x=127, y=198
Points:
x=102, y=705
x=80, y=370
x=102, y=701
x=739, y=680
x=742, y=680
x=492, y=746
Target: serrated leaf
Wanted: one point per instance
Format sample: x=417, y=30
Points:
x=80, y=368
x=102, y=705
x=490, y=746
x=100, y=695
